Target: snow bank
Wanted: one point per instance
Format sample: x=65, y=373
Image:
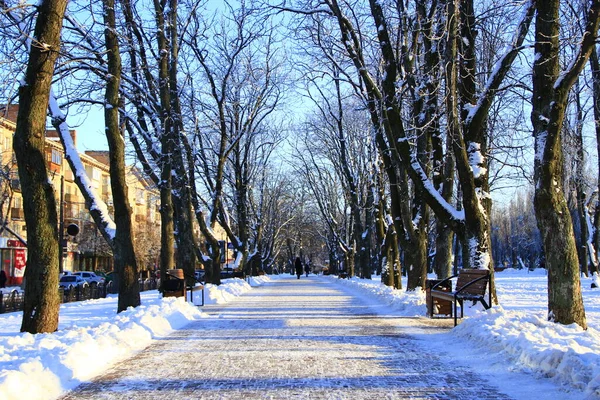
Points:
x=91, y=338
x=228, y=290
x=517, y=330
x=62, y=360
x=568, y=354
x=410, y=304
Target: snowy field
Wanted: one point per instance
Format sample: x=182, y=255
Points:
x=514, y=337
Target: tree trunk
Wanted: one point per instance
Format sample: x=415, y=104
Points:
x=42, y=303
x=582, y=245
x=167, y=252
x=126, y=264
x=595, y=66
x=565, y=302
x=182, y=204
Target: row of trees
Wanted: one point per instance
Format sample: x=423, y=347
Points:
x=417, y=105
x=194, y=97
x=442, y=89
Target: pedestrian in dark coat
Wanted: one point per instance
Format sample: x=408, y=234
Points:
x=307, y=269
x=298, y=265
x=3, y=279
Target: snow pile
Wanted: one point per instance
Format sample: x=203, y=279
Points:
x=258, y=280
x=566, y=353
x=410, y=304
x=228, y=290
x=91, y=338
x=62, y=360
x=517, y=332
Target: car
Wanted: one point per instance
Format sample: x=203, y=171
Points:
x=109, y=276
x=90, y=277
x=68, y=282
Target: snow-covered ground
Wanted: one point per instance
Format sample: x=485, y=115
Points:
x=512, y=337
x=91, y=337
x=515, y=336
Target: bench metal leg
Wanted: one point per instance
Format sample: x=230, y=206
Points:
x=455, y=311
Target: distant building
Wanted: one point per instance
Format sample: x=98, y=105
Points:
x=87, y=250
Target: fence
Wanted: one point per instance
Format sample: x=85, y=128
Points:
x=13, y=301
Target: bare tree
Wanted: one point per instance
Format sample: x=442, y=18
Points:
x=40, y=313
x=550, y=95
x=125, y=259
x=241, y=71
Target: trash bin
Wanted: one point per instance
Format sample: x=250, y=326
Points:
x=174, y=284
x=443, y=307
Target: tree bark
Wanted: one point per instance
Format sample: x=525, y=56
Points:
x=167, y=252
x=550, y=95
x=582, y=214
x=126, y=263
x=595, y=66
x=182, y=196
x=40, y=313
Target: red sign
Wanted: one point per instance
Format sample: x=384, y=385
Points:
x=14, y=243
x=20, y=261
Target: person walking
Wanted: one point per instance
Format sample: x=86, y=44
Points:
x=307, y=269
x=298, y=265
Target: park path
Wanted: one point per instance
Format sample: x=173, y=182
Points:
x=290, y=339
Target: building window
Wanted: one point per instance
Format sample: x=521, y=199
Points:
x=139, y=196
x=56, y=157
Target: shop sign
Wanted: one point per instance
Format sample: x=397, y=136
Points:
x=20, y=261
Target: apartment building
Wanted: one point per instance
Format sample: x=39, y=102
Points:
x=87, y=250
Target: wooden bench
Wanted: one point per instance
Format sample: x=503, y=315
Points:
x=470, y=285
x=174, y=284
x=194, y=289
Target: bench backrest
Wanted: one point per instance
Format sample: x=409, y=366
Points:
x=467, y=275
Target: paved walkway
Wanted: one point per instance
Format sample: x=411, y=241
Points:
x=289, y=339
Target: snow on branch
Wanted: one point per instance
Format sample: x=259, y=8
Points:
x=588, y=40
x=96, y=206
x=502, y=66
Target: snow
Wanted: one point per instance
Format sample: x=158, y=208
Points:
x=91, y=337
x=476, y=160
x=515, y=336
x=72, y=155
x=512, y=344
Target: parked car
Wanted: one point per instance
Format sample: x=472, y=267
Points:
x=68, y=282
x=90, y=277
x=108, y=276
